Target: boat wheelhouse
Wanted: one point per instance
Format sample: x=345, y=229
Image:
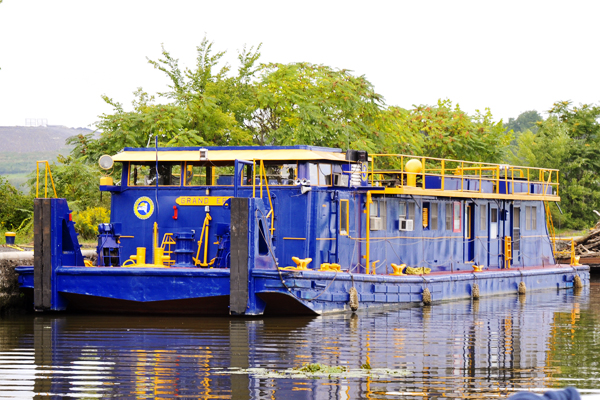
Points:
x=299, y=230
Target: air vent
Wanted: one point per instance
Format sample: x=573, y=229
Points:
x=376, y=224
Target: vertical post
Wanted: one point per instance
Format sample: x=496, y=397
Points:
x=253, y=178
x=443, y=173
x=368, y=211
x=238, y=282
x=42, y=255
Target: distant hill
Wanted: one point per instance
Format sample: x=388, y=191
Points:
x=22, y=146
x=26, y=139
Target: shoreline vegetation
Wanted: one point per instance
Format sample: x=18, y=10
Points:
x=253, y=103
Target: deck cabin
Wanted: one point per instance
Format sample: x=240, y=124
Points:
x=338, y=208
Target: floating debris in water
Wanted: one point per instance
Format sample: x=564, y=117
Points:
x=316, y=371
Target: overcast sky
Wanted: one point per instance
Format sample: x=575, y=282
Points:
x=58, y=57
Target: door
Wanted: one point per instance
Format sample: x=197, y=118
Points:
x=469, y=232
x=494, y=252
x=516, y=234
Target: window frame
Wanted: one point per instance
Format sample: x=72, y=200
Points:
x=152, y=164
x=344, y=205
x=456, y=212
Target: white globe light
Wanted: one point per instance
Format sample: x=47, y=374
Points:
x=106, y=162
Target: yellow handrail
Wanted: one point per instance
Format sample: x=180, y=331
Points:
x=37, y=182
x=263, y=173
x=203, y=235
x=483, y=172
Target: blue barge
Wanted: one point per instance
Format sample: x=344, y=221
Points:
x=299, y=230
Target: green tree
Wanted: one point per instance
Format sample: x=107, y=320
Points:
x=14, y=206
x=528, y=120
x=303, y=103
x=208, y=106
x=448, y=132
x=569, y=140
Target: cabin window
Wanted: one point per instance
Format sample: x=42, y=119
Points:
x=433, y=216
x=320, y=174
x=223, y=176
x=324, y=174
x=197, y=175
x=200, y=174
x=516, y=239
x=402, y=209
x=278, y=174
x=378, y=209
x=531, y=218
x=456, y=217
x=144, y=174
x=344, y=217
x=411, y=211
x=493, y=223
x=483, y=217
x=448, y=216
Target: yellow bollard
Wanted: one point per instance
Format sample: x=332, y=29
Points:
x=159, y=257
x=140, y=257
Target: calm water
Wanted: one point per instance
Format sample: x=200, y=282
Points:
x=486, y=349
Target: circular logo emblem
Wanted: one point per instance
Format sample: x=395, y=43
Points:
x=364, y=171
x=143, y=207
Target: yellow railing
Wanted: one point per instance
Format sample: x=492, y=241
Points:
x=568, y=252
x=46, y=173
x=262, y=174
x=390, y=170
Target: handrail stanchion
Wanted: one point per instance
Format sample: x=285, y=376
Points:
x=423, y=172
x=47, y=172
x=443, y=173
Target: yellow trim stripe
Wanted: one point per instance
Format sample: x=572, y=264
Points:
x=230, y=155
x=468, y=195
x=290, y=238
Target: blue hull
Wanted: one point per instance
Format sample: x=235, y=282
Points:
x=207, y=291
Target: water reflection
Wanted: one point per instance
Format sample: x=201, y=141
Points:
x=478, y=349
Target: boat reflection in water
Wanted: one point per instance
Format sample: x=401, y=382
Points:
x=463, y=349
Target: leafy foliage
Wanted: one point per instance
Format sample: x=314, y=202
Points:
x=74, y=180
x=448, y=132
x=303, y=103
x=15, y=206
x=527, y=121
x=87, y=221
x=568, y=140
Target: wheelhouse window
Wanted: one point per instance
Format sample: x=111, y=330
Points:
x=320, y=174
x=277, y=173
x=203, y=174
x=144, y=174
x=197, y=174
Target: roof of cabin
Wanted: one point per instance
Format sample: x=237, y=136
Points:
x=232, y=153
